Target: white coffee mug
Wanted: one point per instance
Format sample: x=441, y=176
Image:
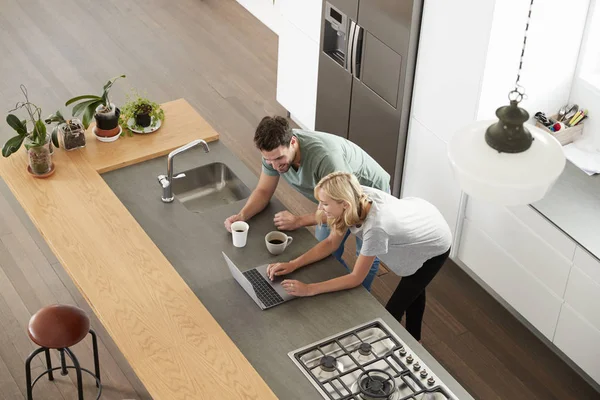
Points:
x=239, y=233
x=277, y=242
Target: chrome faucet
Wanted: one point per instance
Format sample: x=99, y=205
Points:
x=165, y=180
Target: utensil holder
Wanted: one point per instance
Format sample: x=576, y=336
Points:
x=566, y=135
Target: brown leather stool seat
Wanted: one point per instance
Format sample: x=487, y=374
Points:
x=59, y=326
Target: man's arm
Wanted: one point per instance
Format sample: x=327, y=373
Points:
x=287, y=221
x=257, y=201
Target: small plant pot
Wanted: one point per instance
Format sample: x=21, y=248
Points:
x=71, y=135
x=143, y=120
x=40, y=158
x=107, y=123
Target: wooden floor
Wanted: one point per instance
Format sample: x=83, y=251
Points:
x=222, y=60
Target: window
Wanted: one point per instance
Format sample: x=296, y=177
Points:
x=590, y=57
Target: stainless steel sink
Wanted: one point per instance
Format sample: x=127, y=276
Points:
x=209, y=186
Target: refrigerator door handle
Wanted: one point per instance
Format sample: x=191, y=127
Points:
x=349, y=50
x=358, y=31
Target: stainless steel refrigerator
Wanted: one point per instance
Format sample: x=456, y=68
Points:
x=366, y=69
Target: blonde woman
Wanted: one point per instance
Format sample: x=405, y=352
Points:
x=409, y=235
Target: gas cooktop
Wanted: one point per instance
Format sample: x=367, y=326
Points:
x=368, y=362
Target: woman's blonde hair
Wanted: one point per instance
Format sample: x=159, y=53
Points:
x=343, y=187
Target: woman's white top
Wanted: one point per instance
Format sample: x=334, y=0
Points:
x=403, y=233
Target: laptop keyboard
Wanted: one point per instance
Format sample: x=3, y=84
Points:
x=263, y=290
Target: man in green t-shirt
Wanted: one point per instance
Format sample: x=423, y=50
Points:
x=303, y=158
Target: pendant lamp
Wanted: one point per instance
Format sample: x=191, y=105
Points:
x=506, y=162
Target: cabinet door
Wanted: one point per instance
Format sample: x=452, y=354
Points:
x=524, y=245
x=579, y=340
x=333, y=97
x=587, y=263
x=517, y=286
x=297, y=70
x=583, y=295
x=374, y=126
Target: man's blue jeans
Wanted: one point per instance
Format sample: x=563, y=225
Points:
x=322, y=231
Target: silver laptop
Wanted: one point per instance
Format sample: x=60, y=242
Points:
x=256, y=283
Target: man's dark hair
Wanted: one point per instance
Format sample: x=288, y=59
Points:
x=272, y=132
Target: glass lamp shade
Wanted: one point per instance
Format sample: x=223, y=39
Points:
x=508, y=179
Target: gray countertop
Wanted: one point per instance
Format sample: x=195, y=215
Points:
x=193, y=244
x=573, y=205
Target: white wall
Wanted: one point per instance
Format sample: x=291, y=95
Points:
x=550, y=57
x=450, y=66
x=586, y=90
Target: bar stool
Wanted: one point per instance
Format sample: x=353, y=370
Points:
x=59, y=327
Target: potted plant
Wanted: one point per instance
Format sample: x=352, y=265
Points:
x=141, y=115
x=101, y=108
x=70, y=134
x=35, y=137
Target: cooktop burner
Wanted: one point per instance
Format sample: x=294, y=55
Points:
x=365, y=349
x=328, y=363
x=376, y=384
x=366, y=363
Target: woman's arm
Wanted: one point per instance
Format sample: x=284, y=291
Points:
x=349, y=281
x=318, y=252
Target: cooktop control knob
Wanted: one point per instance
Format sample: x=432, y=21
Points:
x=402, y=351
x=409, y=359
x=417, y=366
x=424, y=374
x=431, y=381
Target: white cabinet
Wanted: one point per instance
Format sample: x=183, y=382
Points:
x=587, y=263
x=297, y=72
x=579, y=340
x=523, y=244
x=305, y=15
x=546, y=230
x=298, y=59
x=427, y=172
x=583, y=295
x=519, y=287
x=578, y=330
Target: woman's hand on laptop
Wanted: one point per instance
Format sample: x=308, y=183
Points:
x=279, y=269
x=296, y=288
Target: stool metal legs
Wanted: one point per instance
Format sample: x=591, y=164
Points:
x=28, y=371
x=63, y=363
x=63, y=367
x=49, y=365
x=96, y=358
x=77, y=371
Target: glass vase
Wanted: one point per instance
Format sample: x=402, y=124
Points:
x=40, y=158
x=71, y=135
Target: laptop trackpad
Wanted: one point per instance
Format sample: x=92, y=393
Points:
x=276, y=283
